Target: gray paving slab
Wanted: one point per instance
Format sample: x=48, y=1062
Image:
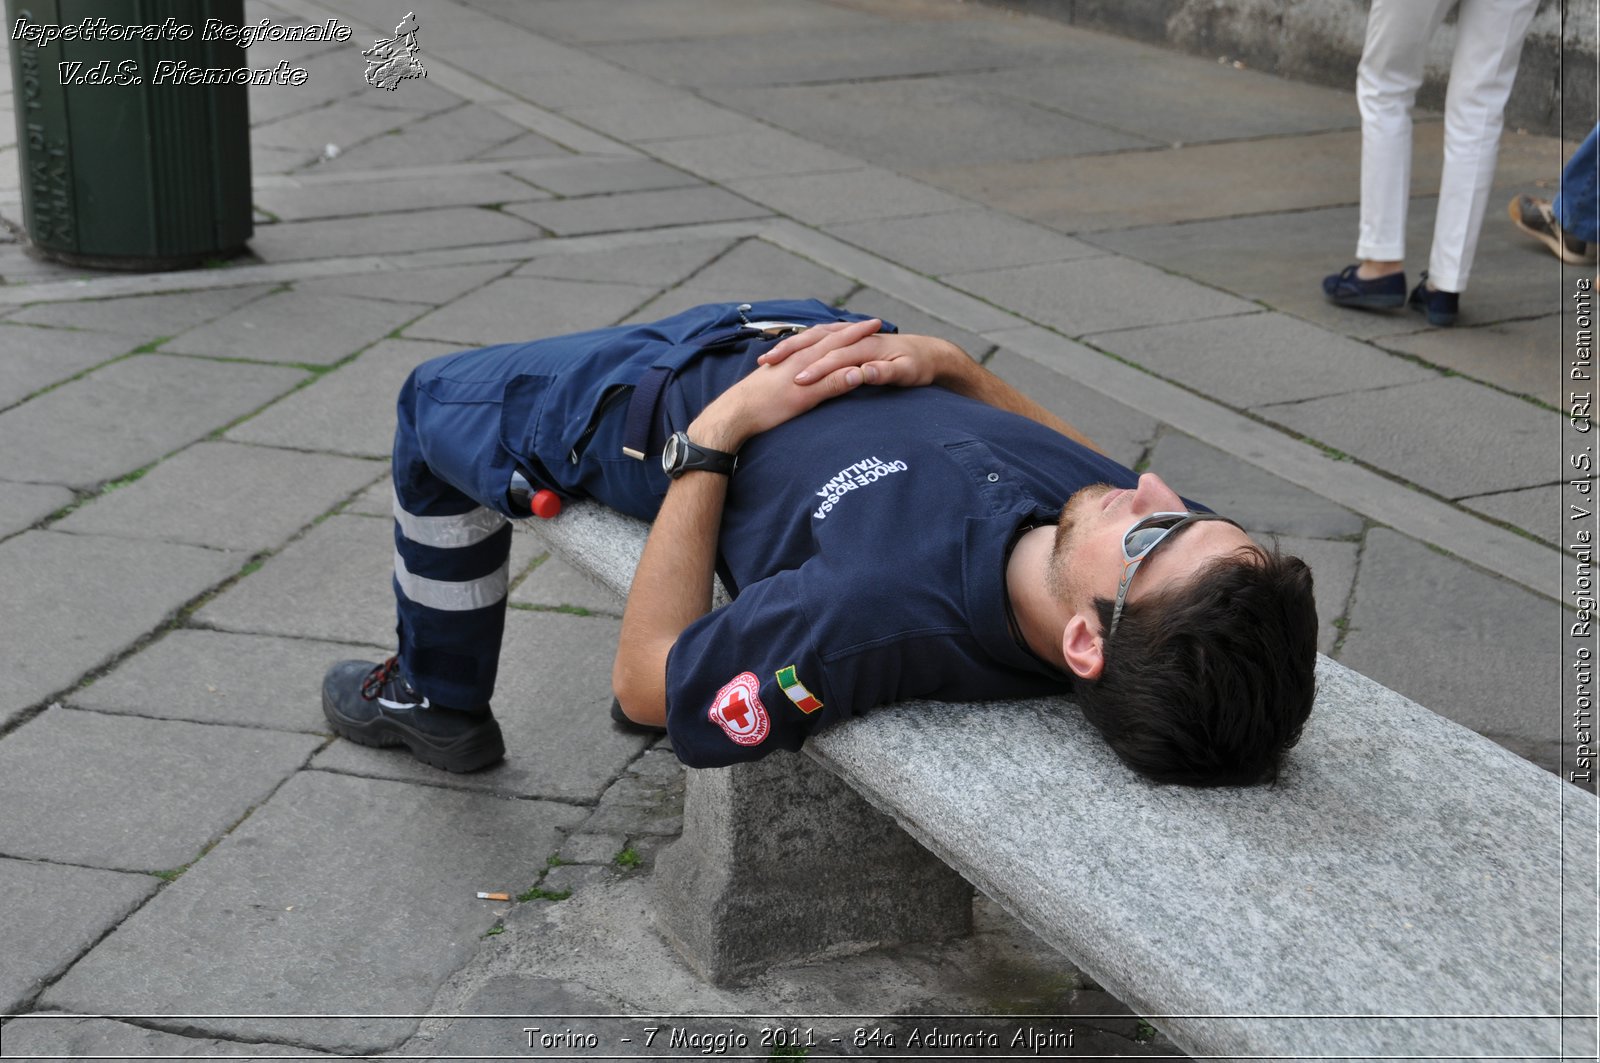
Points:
x=375, y=501
x=23, y=505
x=221, y=678
x=526, y=308
x=265, y=160
x=1263, y=503
x=347, y=411
x=225, y=495
x=962, y=241
x=1539, y=510
x=377, y=197
x=852, y=195
x=649, y=20
x=752, y=152
x=669, y=115
x=338, y=122
x=85, y=599
x=640, y=805
x=593, y=848
x=125, y=415
x=1419, y=626
x=40, y=936
x=328, y=78
x=17, y=266
x=909, y=123
x=578, y=82
x=757, y=266
x=1152, y=93
x=420, y=96
x=339, y=896
x=602, y=176
x=35, y=358
x=560, y=742
x=1523, y=356
x=1198, y=181
x=143, y=315
x=598, y=941
x=889, y=49
x=1093, y=295
x=476, y=1030
x=1253, y=359
x=432, y=286
x=334, y=583
x=554, y=584
x=637, y=210
x=526, y=146
x=448, y=136
x=1431, y=433
x=56, y=1035
x=1121, y=432
x=658, y=266
x=1333, y=572
x=1280, y=259
x=688, y=295
x=131, y=794
x=300, y=327
x=393, y=234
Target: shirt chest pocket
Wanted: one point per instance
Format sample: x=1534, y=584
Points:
x=990, y=478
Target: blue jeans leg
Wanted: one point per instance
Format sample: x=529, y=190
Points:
x=1576, y=206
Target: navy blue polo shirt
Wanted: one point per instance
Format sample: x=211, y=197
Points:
x=865, y=545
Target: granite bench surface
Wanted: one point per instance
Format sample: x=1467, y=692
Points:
x=1408, y=887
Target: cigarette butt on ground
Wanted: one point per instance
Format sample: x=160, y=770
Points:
x=493, y=896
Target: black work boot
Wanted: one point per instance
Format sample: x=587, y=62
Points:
x=373, y=705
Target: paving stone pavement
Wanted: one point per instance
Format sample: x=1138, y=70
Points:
x=194, y=502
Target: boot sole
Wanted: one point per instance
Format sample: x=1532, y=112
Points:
x=1369, y=302
x=1564, y=253
x=471, y=752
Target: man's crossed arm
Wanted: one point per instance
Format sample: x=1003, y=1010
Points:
x=672, y=585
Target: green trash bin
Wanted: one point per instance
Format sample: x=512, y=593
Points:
x=123, y=164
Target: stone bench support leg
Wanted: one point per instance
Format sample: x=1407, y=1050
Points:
x=781, y=862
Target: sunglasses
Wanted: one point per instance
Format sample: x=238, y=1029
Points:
x=1140, y=541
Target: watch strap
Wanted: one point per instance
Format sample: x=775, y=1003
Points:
x=692, y=457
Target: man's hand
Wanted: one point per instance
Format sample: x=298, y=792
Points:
x=774, y=393
x=884, y=358
x=830, y=353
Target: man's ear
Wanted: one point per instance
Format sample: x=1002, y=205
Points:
x=1081, y=645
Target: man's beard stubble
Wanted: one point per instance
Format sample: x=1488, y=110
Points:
x=1066, y=526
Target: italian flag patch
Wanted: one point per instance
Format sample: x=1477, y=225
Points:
x=803, y=699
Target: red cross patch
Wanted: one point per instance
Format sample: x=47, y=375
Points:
x=737, y=709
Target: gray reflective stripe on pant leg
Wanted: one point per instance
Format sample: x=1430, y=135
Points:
x=452, y=597
x=448, y=532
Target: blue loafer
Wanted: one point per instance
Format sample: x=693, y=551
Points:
x=1346, y=289
x=1441, y=307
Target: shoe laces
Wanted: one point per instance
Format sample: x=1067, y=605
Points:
x=379, y=677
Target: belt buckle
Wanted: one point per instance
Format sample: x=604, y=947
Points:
x=774, y=329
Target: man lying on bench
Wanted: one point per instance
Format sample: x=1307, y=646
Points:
x=888, y=517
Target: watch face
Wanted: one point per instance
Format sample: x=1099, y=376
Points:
x=670, y=453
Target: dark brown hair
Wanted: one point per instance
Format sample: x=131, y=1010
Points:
x=1209, y=683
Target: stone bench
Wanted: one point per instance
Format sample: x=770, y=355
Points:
x=1409, y=888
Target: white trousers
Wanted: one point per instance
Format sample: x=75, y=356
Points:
x=1488, y=44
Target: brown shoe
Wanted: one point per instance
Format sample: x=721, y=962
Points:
x=1534, y=217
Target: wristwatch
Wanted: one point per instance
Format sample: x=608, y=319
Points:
x=680, y=455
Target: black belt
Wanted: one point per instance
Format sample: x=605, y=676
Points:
x=642, y=432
